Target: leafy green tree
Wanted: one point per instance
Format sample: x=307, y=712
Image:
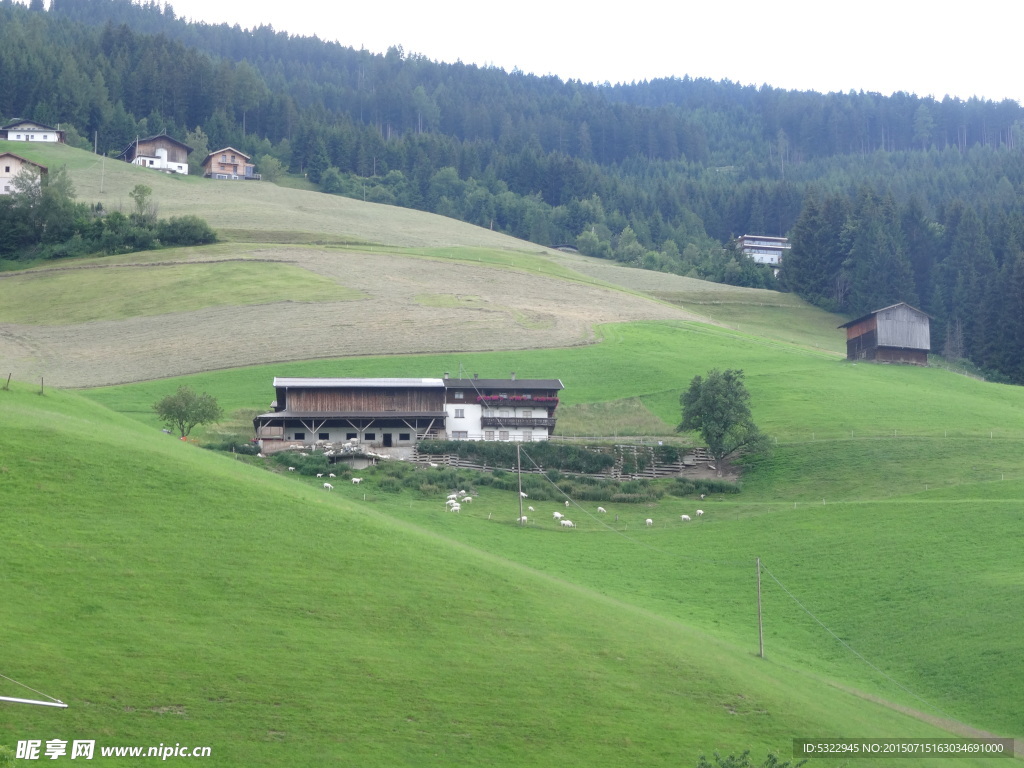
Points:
x=718, y=407
x=269, y=167
x=186, y=409
x=141, y=195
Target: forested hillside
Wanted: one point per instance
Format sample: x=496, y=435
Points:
x=887, y=198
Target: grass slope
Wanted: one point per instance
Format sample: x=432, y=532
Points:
x=172, y=595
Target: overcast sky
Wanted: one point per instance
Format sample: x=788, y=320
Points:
x=873, y=45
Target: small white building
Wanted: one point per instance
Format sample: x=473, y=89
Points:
x=764, y=249
x=28, y=130
x=11, y=165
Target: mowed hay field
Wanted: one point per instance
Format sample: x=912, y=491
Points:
x=173, y=594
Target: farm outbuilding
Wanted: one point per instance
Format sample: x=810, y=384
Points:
x=895, y=334
x=393, y=415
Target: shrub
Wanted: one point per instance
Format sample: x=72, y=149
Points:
x=185, y=230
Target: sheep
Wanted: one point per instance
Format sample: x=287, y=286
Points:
x=558, y=515
x=531, y=509
x=456, y=508
x=523, y=495
x=319, y=474
x=467, y=498
x=602, y=510
x=567, y=503
x=260, y=456
x=452, y=496
x=700, y=512
x=702, y=497
x=332, y=475
x=450, y=503
x=685, y=518
x=522, y=520
x=567, y=523
x=291, y=469
x=356, y=480
x=328, y=486
x=433, y=465
x=462, y=493
x=649, y=522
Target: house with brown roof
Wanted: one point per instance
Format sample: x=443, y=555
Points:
x=160, y=153
x=229, y=163
x=11, y=165
x=29, y=130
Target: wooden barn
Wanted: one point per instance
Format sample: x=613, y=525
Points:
x=373, y=412
x=159, y=153
x=896, y=334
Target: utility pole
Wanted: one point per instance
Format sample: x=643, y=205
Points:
x=760, y=625
x=519, y=467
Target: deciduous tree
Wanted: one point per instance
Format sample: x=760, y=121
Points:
x=718, y=407
x=186, y=409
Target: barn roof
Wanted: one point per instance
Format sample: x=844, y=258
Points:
x=222, y=151
x=883, y=309
x=14, y=124
x=503, y=383
x=378, y=415
x=324, y=383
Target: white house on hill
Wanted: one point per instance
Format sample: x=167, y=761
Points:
x=29, y=130
x=11, y=165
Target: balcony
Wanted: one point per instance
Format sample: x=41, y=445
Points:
x=511, y=422
x=517, y=401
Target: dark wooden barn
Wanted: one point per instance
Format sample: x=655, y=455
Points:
x=896, y=334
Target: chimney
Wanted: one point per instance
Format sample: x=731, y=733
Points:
x=476, y=375
x=446, y=375
x=513, y=375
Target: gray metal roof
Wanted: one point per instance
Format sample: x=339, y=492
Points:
x=353, y=383
x=503, y=383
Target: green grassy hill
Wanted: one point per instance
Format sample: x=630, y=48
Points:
x=173, y=595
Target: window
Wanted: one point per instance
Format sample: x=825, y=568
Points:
x=502, y=435
x=223, y=158
x=460, y=435
x=300, y=435
x=459, y=394
x=527, y=414
x=404, y=436
x=351, y=435
x=460, y=413
x=503, y=413
x=370, y=436
x=489, y=434
x=323, y=436
x=7, y=169
x=527, y=436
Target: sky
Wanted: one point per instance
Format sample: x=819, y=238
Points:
x=872, y=45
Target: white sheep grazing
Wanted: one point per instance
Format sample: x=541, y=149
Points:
x=328, y=486
x=462, y=493
x=450, y=503
x=531, y=509
x=702, y=497
x=319, y=474
x=700, y=512
x=467, y=498
x=567, y=523
x=559, y=515
x=649, y=522
x=433, y=465
x=523, y=495
x=456, y=508
x=453, y=496
x=566, y=504
x=356, y=480
x=332, y=475
x=523, y=520
x=602, y=509
x=685, y=518
x=291, y=469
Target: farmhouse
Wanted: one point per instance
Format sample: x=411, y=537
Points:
x=395, y=414
x=160, y=153
x=764, y=249
x=229, y=163
x=520, y=410
x=11, y=165
x=28, y=130
x=895, y=334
